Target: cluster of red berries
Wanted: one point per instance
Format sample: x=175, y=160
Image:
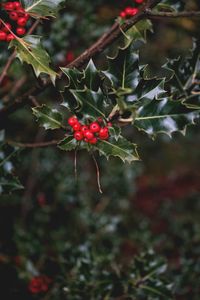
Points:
x=89, y=133
x=130, y=11
x=39, y=284
x=17, y=14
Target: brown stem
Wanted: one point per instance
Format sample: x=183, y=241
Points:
x=98, y=174
x=33, y=145
x=170, y=15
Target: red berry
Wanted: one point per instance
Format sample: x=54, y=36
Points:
x=20, y=31
x=123, y=14
x=72, y=121
x=8, y=6
x=78, y=135
x=103, y=133
x=13, y=15
x=3, y=36
x=84, y=128
x=88, y=135
x=93, y=141
x=109, y=124
x=139, y=1
x=94, y=127
x=22, y=21
x=77, y=126
x=16, y=5
x=100, y=120
x=10, y=37
x=86, y=140
x=128, y=10
x=134, y=11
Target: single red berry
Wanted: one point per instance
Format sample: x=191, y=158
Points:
x=139, y=1
x=103, y=133
x=123, y=14
x=77, y=126
x=109, y=124
x=72, y=121
x=128, y=10
x=100, y=120
x=94, y=127
x=84, y=128
x=16, y=5
x=88, y=135
x=134, y=11
x=69, y=56
x=13, y=15
x=7, y=27
x=22, y=21
x=8, y=6
x=3, y=36
x=93, y=141
x=20, y=30
x=10, y=37
x=78, y=135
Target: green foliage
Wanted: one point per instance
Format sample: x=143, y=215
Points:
x=42, y=8
x=48, y=117
x=30, y=50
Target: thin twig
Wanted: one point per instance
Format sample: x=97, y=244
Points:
x=75, y=164
x=33, y=145
x=170, y=15
x=98, y=174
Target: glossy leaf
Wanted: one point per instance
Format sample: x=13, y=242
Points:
x=30, y=50
x=47, y=117
x=121, y=148
x=42, y=8
x=164, y=116
x=89, y=103
x=68, y=144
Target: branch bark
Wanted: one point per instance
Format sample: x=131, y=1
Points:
x=172, y=15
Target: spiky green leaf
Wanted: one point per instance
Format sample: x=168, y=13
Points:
x=42, y=8
x=30, y=50
x=47, y=117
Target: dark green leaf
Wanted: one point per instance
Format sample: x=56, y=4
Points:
x=42, y=8
x=48, y=117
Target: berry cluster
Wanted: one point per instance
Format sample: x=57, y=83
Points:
x=130, y=11
x=89, y=133
x=39, y=284
x=16, y=14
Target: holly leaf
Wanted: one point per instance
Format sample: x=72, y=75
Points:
x=164, y=116
x=74, y=78
x=121, y=148
x=185, y=82
x=91, y=77
x=89, y=103
x=68, y=144
x=123, y=71
x=42, y=8
x=30, y=50
x=8, y=181
x=47, y=117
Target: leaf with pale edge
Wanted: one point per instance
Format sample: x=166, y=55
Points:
x=121, y=148
x=47, y=117
x=8, y=181
x=68, y=144
x=184, y=84
x=89, y=103
x=42, y=8
x=164, y=116
x=30, y=50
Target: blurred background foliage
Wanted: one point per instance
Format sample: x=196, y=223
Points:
x=140, y=239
